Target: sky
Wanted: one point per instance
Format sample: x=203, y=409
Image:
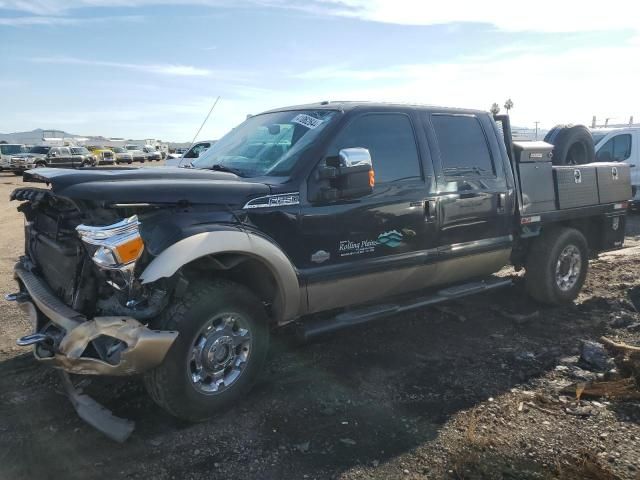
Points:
x=153, y=68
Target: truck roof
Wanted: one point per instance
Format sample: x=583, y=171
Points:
x=615, y=129
x=347, y=105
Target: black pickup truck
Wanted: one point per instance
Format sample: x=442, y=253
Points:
x=328, y=215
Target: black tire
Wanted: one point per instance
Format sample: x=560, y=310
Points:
x=541, y=281
x=170, y=384
x=41, y=164
x=572, y=145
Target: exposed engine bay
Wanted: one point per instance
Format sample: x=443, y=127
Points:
x=90, y=271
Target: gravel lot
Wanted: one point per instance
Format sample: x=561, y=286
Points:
x=470, y=390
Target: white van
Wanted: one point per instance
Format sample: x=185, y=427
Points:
x=7, y=150
x=620, y=144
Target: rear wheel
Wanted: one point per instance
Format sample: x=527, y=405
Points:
x=220, y=350
x=557, y=266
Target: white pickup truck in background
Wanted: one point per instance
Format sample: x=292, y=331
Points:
x=620, y=144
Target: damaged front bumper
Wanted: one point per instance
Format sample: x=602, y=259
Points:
x=115, y=345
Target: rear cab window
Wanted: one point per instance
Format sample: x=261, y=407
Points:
x=463, y=146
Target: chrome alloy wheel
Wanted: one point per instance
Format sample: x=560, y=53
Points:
x=568, y=267
x=219, y=353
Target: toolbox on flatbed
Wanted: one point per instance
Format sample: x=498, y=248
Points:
x=614, y=182
x=536, y=174
x=576, y=186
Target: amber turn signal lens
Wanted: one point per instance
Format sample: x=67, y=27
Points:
x=372, y=178
x=130, y=250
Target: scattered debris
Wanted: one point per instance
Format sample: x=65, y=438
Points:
x=348, y=441
x=518, y=318
x=302, y=447
x=595, y=355
x=622, y=389
x=627, y=357
x=525, y=356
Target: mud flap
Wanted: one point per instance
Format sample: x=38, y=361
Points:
x=99, y=417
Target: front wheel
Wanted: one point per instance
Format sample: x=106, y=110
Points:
x=221, y=348
x=557, y=266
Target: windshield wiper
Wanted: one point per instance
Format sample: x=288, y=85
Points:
x=222, y=168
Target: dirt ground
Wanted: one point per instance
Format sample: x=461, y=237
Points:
x=471, y=390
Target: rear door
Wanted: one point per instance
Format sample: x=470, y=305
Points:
x=475, y=203
x=364, y=249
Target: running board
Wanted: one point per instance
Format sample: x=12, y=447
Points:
x=313, y=328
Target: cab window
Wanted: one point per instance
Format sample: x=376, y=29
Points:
x=391, y=142
x=463, y=146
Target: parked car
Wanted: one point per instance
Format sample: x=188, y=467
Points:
x=122, y=155
x=84, y=156
x=137, y=153
x=179, y=152
x=621, y=144
x=7, y=150
x=103, y=154
x=326, y=215
x=44, y=156
x=194, y=152
x=152, y=154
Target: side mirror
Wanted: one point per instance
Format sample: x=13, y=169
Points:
x=53, y=154
x=354, y=157
x=350, y=174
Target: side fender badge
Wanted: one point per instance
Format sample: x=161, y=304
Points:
x=320, y=256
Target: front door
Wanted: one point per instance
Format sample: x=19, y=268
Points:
x=475, y=201
x=364, y=249
x=60, y=157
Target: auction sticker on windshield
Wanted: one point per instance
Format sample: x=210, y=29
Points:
x=307, y=121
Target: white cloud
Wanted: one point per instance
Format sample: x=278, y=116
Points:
x=539, y=16
x=37, y=20
x=161, y=69
x=565, y=86
x=59, y=20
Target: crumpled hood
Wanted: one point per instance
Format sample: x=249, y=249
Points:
x=149, y=185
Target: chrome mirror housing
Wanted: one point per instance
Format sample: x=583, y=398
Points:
x=355, y=157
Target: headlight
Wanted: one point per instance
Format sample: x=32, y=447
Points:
x=118, y=245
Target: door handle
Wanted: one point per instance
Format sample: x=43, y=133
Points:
x=502, y=200
x=431, y=209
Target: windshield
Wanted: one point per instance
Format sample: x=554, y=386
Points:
x=267, y=144
x=12, y=149
x=79, y=150
x=597, y=136
x=119, y=150
x=40, y=150
x=132, y=147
